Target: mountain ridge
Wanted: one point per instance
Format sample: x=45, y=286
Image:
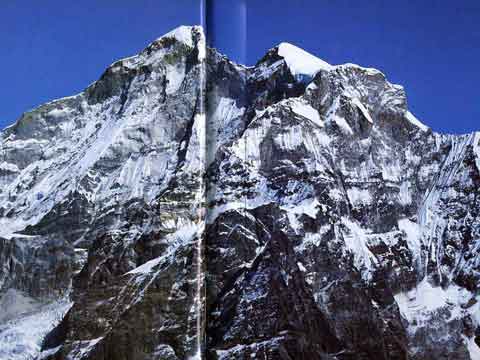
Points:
x=320, y=203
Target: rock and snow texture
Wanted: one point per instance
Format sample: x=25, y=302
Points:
x=21, y=337
x=324, y=208
x=98, y=188
x=334, y=210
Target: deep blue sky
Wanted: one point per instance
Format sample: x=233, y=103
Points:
x=54, y=48
x=432, y=48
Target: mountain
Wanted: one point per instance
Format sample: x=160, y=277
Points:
x=184, y=206
x=100, y=210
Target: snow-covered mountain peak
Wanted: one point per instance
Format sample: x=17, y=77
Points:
x=189, y=36
x=183, y=34
x=301, y=62
x=59, y=146
x=182, y=39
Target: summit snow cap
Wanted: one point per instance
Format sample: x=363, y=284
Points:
x=300, y=62
x=183, y=34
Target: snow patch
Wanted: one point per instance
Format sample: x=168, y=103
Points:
x=356, y=242
x=80, y=349
x=147, y=267
x=423, y=299
x=405, y=195
x=47, y=353
x=301, y=267
x=14, y=303
x=472, y=347
x=21, y=338
x=413, y=120
x=182, y=236
x=308, y=207
x=419, y=305
x=202, y=46
x=476, y=148
x=342, y=124
x=363, y=110
x=9, y=167
x=412, y=230
x=307, y=111
x=359, y=196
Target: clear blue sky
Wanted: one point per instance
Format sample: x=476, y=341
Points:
x=54, y=48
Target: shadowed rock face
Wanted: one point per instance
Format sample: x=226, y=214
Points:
x=332, y=224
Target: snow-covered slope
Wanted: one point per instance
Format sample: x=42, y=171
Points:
x=304, y=202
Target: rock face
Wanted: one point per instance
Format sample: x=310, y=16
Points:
x=185, y=206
